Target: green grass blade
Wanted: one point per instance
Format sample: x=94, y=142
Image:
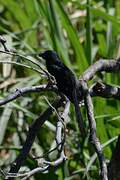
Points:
x=73, y=38
x=89, y=34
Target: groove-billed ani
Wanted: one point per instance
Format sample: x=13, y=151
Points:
x=67, y=82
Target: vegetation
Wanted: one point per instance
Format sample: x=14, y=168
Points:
x=82, y=32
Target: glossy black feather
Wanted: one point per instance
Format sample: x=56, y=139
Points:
x=67, y=82
x=65, y=78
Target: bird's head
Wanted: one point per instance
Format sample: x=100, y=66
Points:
x=49, y=55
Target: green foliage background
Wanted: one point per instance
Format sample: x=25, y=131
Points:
x=81, y=32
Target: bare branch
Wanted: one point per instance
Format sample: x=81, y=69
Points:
x=47, y=165
x=25, y=90
x=101, y=65
x=105, y=90
x=93, y=136
x=34, y=128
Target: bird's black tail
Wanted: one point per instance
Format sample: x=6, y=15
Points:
x=79, y=115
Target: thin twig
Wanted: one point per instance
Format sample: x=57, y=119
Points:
x=23, y=65
x=24, y=57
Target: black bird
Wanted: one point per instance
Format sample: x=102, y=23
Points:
x=67, y=82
